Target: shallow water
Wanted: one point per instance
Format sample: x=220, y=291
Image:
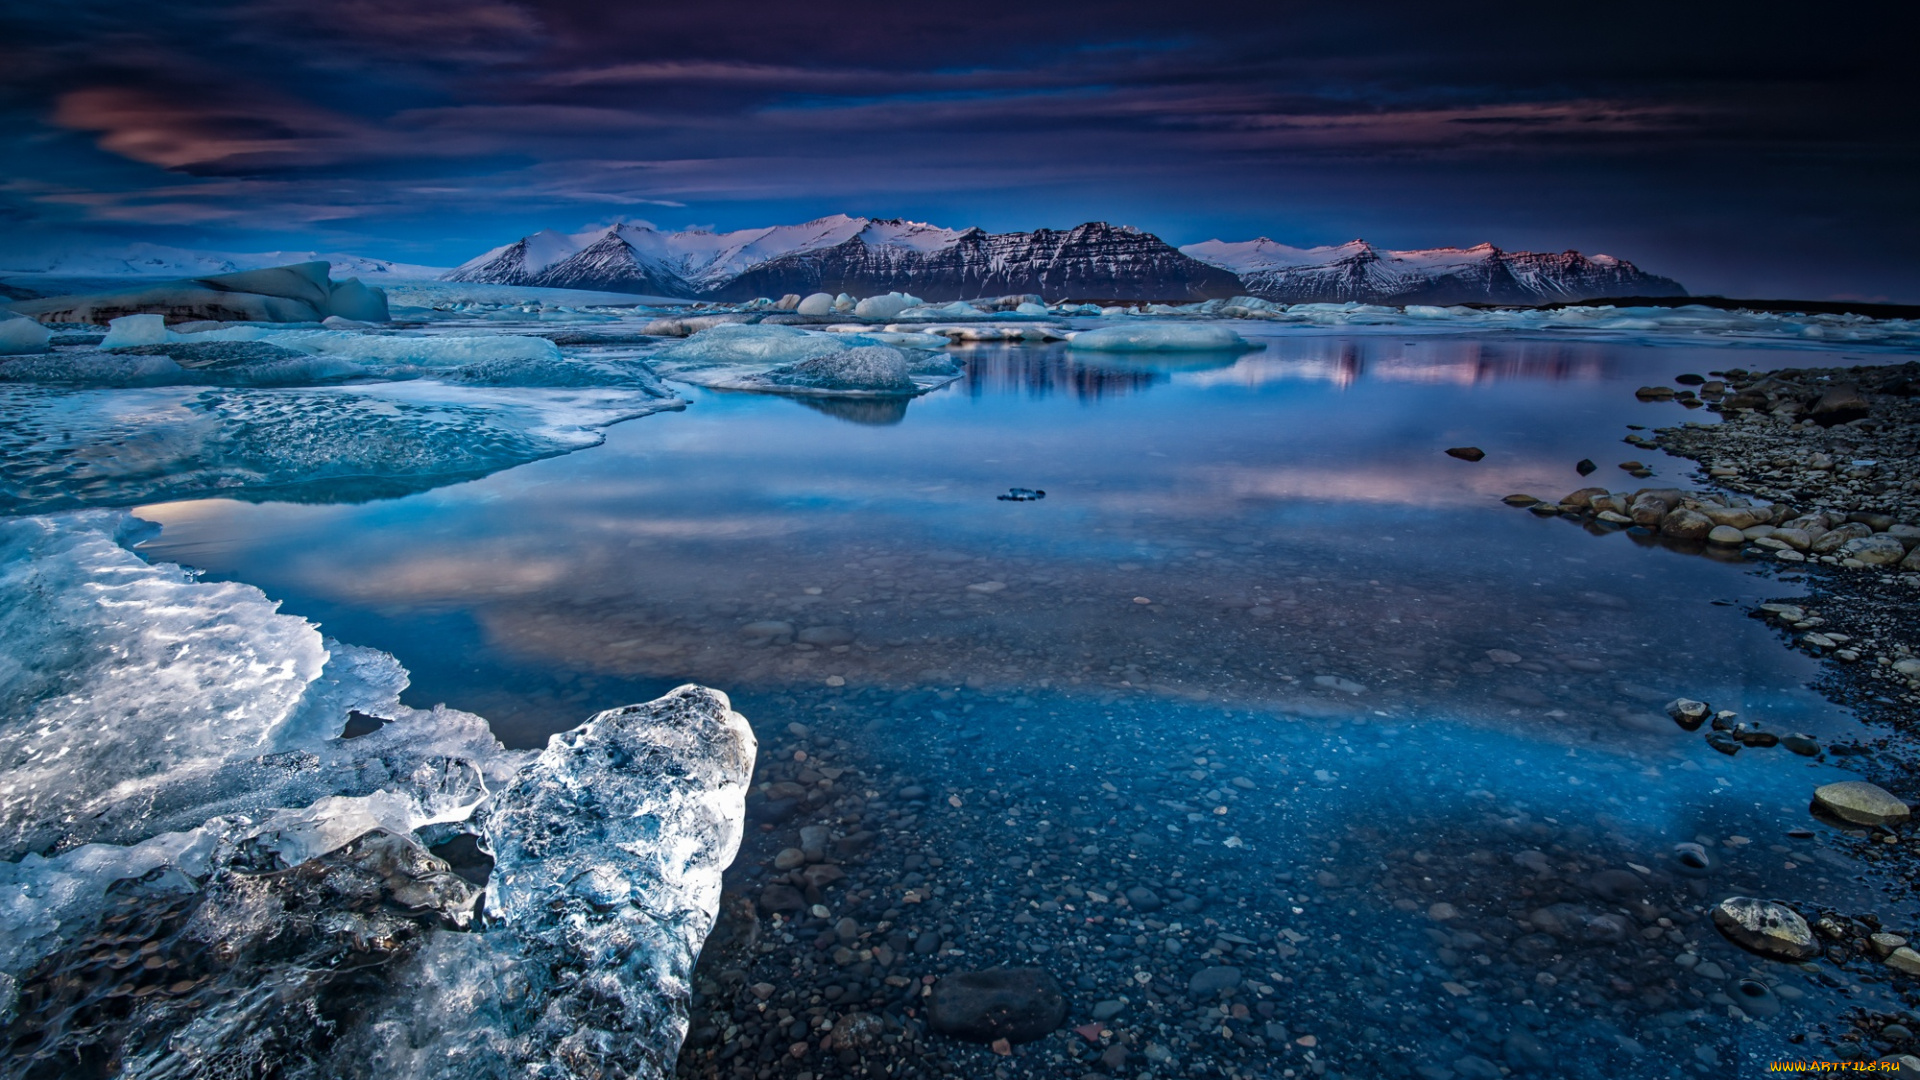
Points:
x=1087, y=675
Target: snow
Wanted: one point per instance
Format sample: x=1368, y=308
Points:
x=1252, y=256
x=1160, y=337
x=19, y=334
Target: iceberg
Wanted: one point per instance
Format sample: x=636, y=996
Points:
x=789, y=360
x=816, y=304
x=19, y=334
x=1161, y=337
x=282, y=294
x=226, y=864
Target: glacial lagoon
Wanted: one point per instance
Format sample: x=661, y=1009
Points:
x=1270, y=732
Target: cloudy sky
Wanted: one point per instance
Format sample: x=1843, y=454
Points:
x=1747, y=149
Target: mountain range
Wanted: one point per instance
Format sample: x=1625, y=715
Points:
x=1095, y=261
x=159, y=260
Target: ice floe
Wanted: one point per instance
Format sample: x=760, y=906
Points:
x=787, y=359
x=1161, y=337
x=19, y=334
x=212, y=824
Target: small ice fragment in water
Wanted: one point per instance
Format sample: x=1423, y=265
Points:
x=1022, y=495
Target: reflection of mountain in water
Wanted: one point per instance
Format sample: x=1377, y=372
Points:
x=1043, y=372
x=1460, y=362
x=876, y=412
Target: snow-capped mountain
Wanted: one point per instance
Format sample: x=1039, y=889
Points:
x=157, y=260
x=1095, y=261
x=1358, y=271
x=862, y=256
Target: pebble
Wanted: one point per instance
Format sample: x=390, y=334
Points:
x=1466, y=453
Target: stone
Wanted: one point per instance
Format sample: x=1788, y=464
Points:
x=1583, y=499
x=1765, y=927
x=1838, y=406
x=1756, y=998
x=1585, y=467
x=1904, y=960
x=1466, y=453
x=1108, y=1009
x=1797, y=539
x=1804, y=745
x=1726, y=536
x=1015, y=1004
x=782, y=897
x=767, y=629
x=1654, y=393
x=1144, y=899
x=1876, y=550
x=858, y=1031
x=1834, y=539
x=825, y=636
x=1688, y=713
x=789, y=858
x=1209, y=981
x=1739, y=517
x=1517, y=499
x=1647, y=510
x=1684, y=524
x=813, y=841
x=1860, y=803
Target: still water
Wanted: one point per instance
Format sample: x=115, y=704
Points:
x=1390, y=750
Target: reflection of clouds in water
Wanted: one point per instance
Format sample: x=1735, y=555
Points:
x=1344, y=362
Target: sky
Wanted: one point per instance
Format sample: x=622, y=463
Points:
x=1748, y=149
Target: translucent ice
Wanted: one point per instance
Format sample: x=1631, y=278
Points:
x=785, y=359
x=19, y=334
x=884, y=307
x=736, y=343
x=1160, y=337
x=135, y=330
x=816, y=304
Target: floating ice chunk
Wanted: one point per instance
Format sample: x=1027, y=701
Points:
x=19, y=335
x=885, y=307
x=958, y=309
x=843, y=303
x=1160, y=337
x=816, y=304
x=871, y=368
x=736, y=343
x=135, y=330
x=1031, y=308
x=350, y=299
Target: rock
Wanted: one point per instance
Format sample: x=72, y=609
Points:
x=1797, y=539
x=1648, y=510
x=1583, y=499
x=1756, y=998
x=1740, y=517
x=1728, y=536
x=1688, y=713
x=1209, y=981
x=1804, y=745
x=1654, y=393
x=1838, y=406
x=1912, y=562
x=1904, y=960
x=1765, y=927
x=1585, y=467
x=1466, y=453
x=825, y=637
x=1108, y=1009
x=1144, y=899
x=789, y=858
x=782, y=897
x=1860, y=803
x=1876, y=550
x=1884, y=944
x=1684, y=524
x=857, y=1031
x=1517, y=499
x=1834, y=539
x=1015, y=1004
x=821, y=875
x=813, y=841
x=768, y=630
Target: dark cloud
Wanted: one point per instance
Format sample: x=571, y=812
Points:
x=1742, y=148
